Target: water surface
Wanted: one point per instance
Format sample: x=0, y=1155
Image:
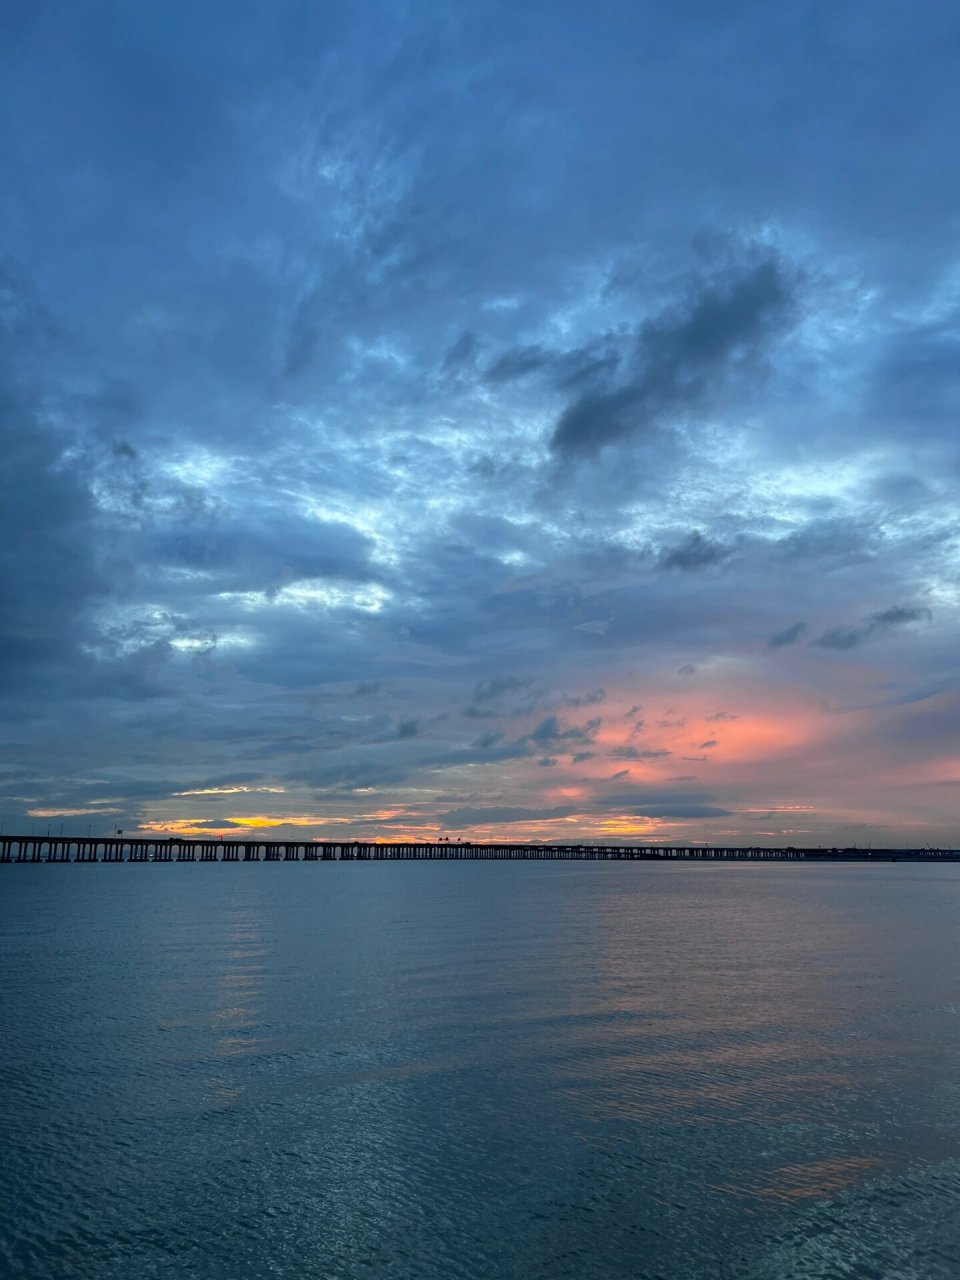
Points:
x=438, y=1070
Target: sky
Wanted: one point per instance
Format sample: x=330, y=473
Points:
x=529, y=421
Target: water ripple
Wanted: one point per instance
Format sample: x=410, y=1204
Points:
x=428, y=1072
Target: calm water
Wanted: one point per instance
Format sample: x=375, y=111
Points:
x=435, y=1071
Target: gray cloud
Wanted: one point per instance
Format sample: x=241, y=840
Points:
x=279, y=552
x=684, y=811
x=684, y=354
x=489, y=695
x=789, y=635
x=50, y=571
x=552, y=729
x=693, y=552
x=497, y=686
x=517, y=363
x=494, y=815
x=898, y=615
x=842, y=637
x=585, y=699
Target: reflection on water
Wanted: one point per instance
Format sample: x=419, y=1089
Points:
x=239, y=971
x=819, y=1179
x=473, y=1070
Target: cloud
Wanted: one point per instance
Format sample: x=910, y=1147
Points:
x=49, y=565
x=552, y=729
x=462, y=352
x=517, y=363
x=843, y=638
x=494, y=688
x=279, y=553
x=346, y=775
x=789, y=635
x=500, y=815
x=585, y=699
x=634, y=753
x=684, y=354
x=683, y=811
x=694, y=552
x=489, y=695
x=899, y=615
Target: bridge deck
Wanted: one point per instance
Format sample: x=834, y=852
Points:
x=45, y=849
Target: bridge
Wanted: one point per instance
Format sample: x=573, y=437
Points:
x=141, y=849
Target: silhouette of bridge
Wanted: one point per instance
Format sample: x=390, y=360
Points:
x=140, y=849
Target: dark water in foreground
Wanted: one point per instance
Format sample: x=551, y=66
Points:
x=433, y=1071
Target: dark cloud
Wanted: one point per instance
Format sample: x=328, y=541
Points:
x=842, y=637
x=898, y=615
x=789, y=635
x=585, y=699
x=47, y=559
x=49, y=567
x=347, y=775
x=684, y=811
x=684, y=354
x=693, y=552
x=634, y=753
x=497, y=686
x=666, y=802
x=552, y=729
x=497, y=815
x=462, y=352
x=518, y=363
x=834, y=542
x=279, y=552
x=489, y=695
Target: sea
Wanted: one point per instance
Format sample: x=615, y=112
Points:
x=428, y=1071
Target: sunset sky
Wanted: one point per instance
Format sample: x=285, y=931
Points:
x=525, y=419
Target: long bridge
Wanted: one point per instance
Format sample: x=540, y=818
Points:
x=144, y=849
